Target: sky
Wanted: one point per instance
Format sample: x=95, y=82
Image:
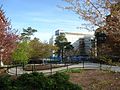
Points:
x=42, y=15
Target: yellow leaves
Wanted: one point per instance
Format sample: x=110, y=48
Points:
x=40, y=49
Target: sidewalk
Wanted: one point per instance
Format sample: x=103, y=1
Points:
x=12, y=71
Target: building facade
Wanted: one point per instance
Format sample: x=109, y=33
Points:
x=81, y=42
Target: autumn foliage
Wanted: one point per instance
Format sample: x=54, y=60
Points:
x=8, y=37
x=101, y=14
x=112, y=30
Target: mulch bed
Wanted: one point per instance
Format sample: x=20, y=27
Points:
x=96, y=80
x=41, y=67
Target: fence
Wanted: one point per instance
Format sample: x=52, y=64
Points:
x=51, y=68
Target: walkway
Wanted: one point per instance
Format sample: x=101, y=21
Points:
x=13, y=71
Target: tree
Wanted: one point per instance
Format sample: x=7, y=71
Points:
x=36, y=47
x=100, y=39
x=69, y=50
x=39, y=49
x=60, y=42
x=94, y=11
x=103, y=15
x=21, y=53
x=82, y=47
x=112, y=29
x=8, y=38
x=27, y=33
x=63, y=45
x=98, y=13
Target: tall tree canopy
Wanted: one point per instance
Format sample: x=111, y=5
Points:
x=112, y=31
x=27, y=33
x=62, y=43
x=8, y=37
x=94, y=11
x=22, y=52
x=105, y=14
x=40, y=49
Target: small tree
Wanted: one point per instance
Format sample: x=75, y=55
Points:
x=21, y=54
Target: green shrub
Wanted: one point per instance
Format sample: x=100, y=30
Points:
x=60, y=77
x=5, y=83
x=37, y=81
x=32, y=81
x=61, y=82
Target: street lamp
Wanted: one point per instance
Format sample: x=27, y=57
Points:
x=1, y=55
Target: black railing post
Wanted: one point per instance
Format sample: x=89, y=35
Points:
x=67, y=66
x=50, y=67
x=16, y=70
x=32, y=68
x=62, y=54
x=83, y=63
x=100, y=65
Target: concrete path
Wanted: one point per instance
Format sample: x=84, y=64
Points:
x=19, y=70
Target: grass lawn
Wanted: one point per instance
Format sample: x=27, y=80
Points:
x=96, y=80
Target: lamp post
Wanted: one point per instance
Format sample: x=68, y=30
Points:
x=1, y=56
